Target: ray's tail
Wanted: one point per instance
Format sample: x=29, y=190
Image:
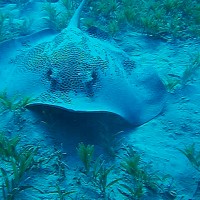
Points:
x=74, y=22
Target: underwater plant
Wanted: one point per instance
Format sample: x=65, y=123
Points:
x=111, y=143
x=2, y=26
x=131, y=14
x=150, y=25
x=15, y=166
x=191, y=69
x=109, y=14
x=22, y=103
x=7, y=102
x=89, y=22
x=192, y=155
x=62, y=21
x=52, y=15
x=25, y=27
x=167, y=19
x=85, y=153
x=62, y=193
x=170, y=5
x=140, y=176
x=106, y=8
x=100, y=173
x=131, y=165
x=189, y=72
x=8, y=28
x=14, y=103
x=57, y=20
x=68, y=4
x=134, y=186
x=59, y=164
x=171, y=84
x=134, y=192
x=8, y=147
x=113, y=27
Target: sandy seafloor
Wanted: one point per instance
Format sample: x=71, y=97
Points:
x=156, y=141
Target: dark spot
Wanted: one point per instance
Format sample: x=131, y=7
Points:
x=129, y=66
x=91, y=84
x=49, y=73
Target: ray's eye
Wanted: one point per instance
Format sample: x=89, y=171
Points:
x=49, y=73
x=94, y=75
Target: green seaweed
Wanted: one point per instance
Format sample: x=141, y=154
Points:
x=56, y=20
x=171, y=84
x=106, y=8
x=140, y=176
x=189, y=72
x=85, y=154
x=130, y=14
x=68, y=4
x=59, y=165
x=62, y=193
x=89, y=22
x=19, y=161
x=15, y=102
x=8, y=147
x=113, y=27
x=2, y=26
x=168, y=19
x=131, y=165
x=191, y=69
x=135, y=186
x=170, y=5
x=100, y=173
x=192, y=155
x=135, y=193
x=52, y=15
x=111, y=143
x=25, y=27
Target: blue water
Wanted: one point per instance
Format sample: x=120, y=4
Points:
x=99, y=100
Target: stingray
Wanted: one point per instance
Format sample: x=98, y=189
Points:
x=80, y=71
